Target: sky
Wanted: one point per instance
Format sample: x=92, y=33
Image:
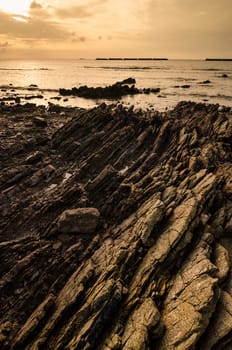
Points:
x=56, y=29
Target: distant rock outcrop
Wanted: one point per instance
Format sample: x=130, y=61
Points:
x=155, y=272
x=115, y=91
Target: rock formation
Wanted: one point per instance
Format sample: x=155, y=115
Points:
x=114, y=91
x=155, y=270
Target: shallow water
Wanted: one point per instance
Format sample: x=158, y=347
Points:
x=169, y=76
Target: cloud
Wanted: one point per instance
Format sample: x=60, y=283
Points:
x=35, y=5
x=80, y=11
x=80, y=39
x=31, y=27
x=193, y=14
x=173, y=28
x=4, y=46
x=37, y=10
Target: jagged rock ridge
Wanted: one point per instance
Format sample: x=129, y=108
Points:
x=156, y=273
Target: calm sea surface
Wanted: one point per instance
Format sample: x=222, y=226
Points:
x=169, y=76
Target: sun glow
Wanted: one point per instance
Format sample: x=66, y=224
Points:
x=16, y=7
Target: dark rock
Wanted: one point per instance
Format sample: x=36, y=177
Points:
x=114, y=91
x=17, y=99
x=225, y=75
x=127, y=81
x=205, y=82
x=81, y=220
x=39, y=121
x=155, y=90
x=34, y=158
x=31, y=97
x=155, y=270
x=185, y=86
x=147, y=91
x=58, y=98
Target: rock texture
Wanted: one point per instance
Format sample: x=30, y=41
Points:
x=114, y=91
x=155, y=272
x=81, y=220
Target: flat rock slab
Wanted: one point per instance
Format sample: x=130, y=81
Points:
x=81, y=220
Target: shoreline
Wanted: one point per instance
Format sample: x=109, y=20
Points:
x=125, y=92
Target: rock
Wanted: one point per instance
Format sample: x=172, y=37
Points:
x=114, y=91
x=81, y=220
x=34, y=158
x=221, y=261
x=185, y=86
x=224, y=75
x=191, y=301
x=221, y=324
x=31, y=97
x=142, y=322
x=17, y=99
x=221, y=109
x=205, y=82
x=155, y=90
x=153, y=271
x=127, y=81
x=39, y=121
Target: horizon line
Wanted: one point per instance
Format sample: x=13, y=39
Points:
x=118, y=58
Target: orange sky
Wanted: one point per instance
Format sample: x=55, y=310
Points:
x=91, y=28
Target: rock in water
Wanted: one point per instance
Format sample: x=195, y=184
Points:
x=81, y=220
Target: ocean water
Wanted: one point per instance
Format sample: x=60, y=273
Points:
x=17, y=76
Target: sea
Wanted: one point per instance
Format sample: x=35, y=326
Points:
x=38, y=81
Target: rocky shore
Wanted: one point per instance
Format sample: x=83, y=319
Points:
x=115, y=91
x=115, y=228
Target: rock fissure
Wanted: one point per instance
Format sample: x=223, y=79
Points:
x=141, y=258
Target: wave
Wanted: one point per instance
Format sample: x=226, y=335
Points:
x=210, y=69
x=226, y=97
x=22, y=69
x=180, y=79
x=126, y=68
x=26, y=88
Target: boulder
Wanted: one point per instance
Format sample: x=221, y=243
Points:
x=81, y=220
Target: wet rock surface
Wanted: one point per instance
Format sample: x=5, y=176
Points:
x=114, y=91
x=154, y=270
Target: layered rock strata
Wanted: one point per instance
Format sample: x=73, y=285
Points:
x=154, y=270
